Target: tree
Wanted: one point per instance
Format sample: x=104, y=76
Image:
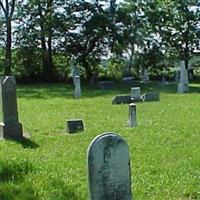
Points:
x=36, y=22
x=8, y=8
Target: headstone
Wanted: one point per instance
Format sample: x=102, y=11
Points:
x=77, y=84
x=10, y=127
x=132, y=121
x=135, y=93
x=122, y=99
x=109, y=168
x=151, y=96
x=183, y=83
x=146, y=76
x=74, y=68
x=106, y=85
x=74, y=126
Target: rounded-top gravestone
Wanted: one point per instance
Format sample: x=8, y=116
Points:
x=109, y=168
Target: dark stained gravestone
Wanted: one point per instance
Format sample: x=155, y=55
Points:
x=74, y=126
x=109, y=168
x=122, y=99
x=151, y=96
x=10, y=127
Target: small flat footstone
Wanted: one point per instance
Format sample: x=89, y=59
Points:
x=74, y=125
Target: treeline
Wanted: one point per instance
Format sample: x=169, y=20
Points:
x=39, y=38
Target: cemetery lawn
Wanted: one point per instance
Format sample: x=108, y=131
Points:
x=51, y=164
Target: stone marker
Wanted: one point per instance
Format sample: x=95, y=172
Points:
x=122, y=99
x=183, y=83
x=151, y=96
x=77, y=84
x=146, y=76
x=10, y=127
x=109, y=168
x=132, y=119
x=74, y=126
x=135, y=93
x=74, y=68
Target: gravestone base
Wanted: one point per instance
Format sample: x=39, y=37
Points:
x=11, y=131
x=183, y=88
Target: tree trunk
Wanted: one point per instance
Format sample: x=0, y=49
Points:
x=8, y=54
x=47, y=58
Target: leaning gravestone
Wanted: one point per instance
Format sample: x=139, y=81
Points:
x=109, y=168
x=77, y=84
x=183, y=83
x=10, y=127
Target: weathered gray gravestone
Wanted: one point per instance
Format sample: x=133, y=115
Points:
x=77, y=84
x=183, y=83
x=109, y=168
x=132, y=119
x=10, y=127
x=135, y=93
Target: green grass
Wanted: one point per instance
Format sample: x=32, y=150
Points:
x=52, y=165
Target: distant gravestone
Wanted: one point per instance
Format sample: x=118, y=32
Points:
x=74, y=68
x=183, y=85
x=151, y=96
x=122, y=99
x=145, y=76
x=74, y=126
x=10, y=127
x=135, y=93
x=109, y=168
x=77, y=84
x=132, y=119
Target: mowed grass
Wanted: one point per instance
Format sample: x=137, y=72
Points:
x=52, y=165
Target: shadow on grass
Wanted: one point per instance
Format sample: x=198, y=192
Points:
x=47, y=91
x=25, y=142
x=14, y=171
x=8, y=192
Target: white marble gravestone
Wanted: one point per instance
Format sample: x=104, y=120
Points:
x=132, y=119
x=183, y=83
x=135, y=93
x=10, y=127
x=77, y=84
x=109, y=168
